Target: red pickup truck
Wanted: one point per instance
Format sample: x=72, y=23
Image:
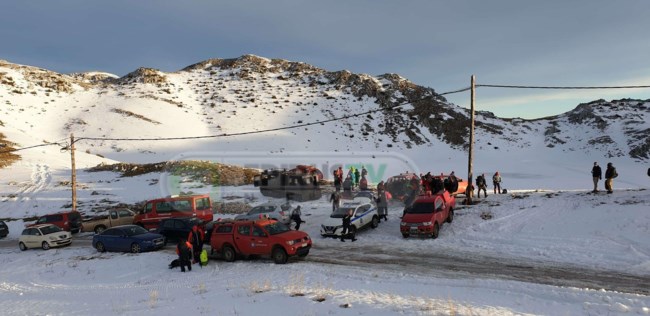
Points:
x=427, y=214
x=265, y=237
x=174, y=206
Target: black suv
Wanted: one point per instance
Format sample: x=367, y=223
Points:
x=4, y=230
x=177, y=228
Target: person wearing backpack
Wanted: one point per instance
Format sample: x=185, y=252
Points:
x=610, y=174
x=496, y=181
x=481, y=185
x=296, y=217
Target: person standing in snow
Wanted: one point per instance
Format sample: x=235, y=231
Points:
x=364, y=172
x=195, y=238
x=335, y=198
x=496, y=180
x=610, y=174
x=357, y=177
x=296, y=217
x=481, y=185
x=597, y=175
x=382, y=204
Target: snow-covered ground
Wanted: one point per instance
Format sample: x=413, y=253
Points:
x=547, y=228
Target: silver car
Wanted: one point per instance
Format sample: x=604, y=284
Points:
x=273, y=210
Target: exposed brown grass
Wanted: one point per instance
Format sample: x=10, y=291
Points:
x=7, y=157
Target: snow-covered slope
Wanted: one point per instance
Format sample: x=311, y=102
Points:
x=229, y=96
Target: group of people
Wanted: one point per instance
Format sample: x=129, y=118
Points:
x=481, y=184
x=355, y=178
x=610, y=174
x=190, y=251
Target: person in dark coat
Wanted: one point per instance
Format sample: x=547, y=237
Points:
x=610, y=174
x=195, y=238
x=296, y=217
x=363, y=184
x=347, y=185
x=480, y=183
x=335, y=198
x=184, y=251
x=357, y=177
x=597, y=175
x=346, y=233
x=382, y=204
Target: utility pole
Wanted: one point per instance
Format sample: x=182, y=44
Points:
x=74, y=174
x=470, y=175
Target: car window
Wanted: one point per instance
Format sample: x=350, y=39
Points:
x=168, y=224
x=113, y=232
x=54, y=218
x=41, y=220
x=244, y=230
x=125, y=213
x=179, y=225
x=50, y=229
x=74, y=216
x=258, y=232
x=35, y=232
x=438, y=204
x=420, y=208
x=277, y=228
x=148, y=208
x=113, y=214
x=163, y=207
x=256, y=210
x=362, y=209
x=134, y=230
x=202, y=204
x=224, y=229
x=26, y=232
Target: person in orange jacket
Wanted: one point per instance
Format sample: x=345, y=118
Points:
x=196, y=239
x=184, y=252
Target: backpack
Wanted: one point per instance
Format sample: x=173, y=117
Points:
x=204, y=257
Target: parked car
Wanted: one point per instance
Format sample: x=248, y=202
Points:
x=116, y=217
x=364, y=214
x=43, y=236
x=175, y=229
x=401, y=186
x=68, y=221
x=427, y=214
x=4, y=230
x=132, y=238
x=264, y=237
x=176, y=206
x=274, y=211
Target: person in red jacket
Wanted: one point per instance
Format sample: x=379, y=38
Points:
x=196, y=239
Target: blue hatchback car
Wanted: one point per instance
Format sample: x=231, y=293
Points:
x=130, y=238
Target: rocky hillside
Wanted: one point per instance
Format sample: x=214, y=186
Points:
x=222, y=96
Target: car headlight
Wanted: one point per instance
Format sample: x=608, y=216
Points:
x=426, y=224
x=291, y=242
x=403, y=224
x=52, y=238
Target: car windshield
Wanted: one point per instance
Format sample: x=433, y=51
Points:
x=340, y=213
x=276, y=228
x=51, y=229
x=420, y=208
x=134, y=230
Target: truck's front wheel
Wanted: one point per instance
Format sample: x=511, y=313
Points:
x=450, y=216
x=436, y=230
x=228, y=253
x=279, y=255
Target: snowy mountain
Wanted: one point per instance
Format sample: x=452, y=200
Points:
x=249, y=93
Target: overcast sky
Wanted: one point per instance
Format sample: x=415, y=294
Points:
x=438, y=44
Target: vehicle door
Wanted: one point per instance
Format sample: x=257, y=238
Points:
x=125, y=217
x=110, y=239
x=32, y=237
x=149, y=218
x=243, y=239
x=113, y=218
x=259, y=241
x=361, y=215
x=438, y=210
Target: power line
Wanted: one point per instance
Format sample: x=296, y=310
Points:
x=30, y=147
x=321, y=122
x=561, y=87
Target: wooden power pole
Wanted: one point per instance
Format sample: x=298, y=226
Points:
x=74, y=174
x=470, y=175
